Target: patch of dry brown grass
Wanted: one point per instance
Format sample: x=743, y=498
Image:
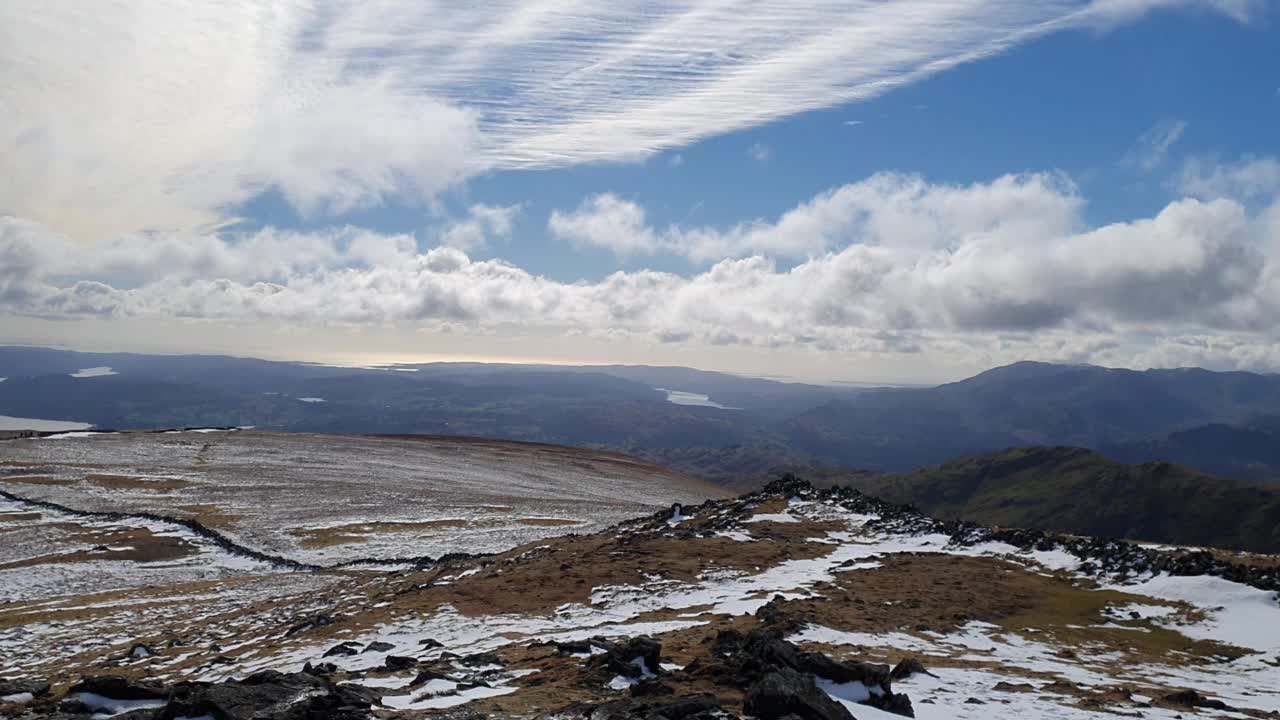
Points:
x=135, y=544
x=548, y=522
x=312, y=538
x=210, y=515
x=125, y=482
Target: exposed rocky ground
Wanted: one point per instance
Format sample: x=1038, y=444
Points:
x=787, y=603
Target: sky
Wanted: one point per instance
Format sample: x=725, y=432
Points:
x=867, y=190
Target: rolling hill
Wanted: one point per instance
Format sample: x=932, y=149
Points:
x=1079, y=491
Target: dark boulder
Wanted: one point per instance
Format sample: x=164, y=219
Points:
x=427, y=676
x=481, y=659
x=786, y=692
x=341, y=650
x=869, y=674
x=270, y=695
x=745, y=661
x=140, y=651
x=906, y=668
x=399, y=662
x=1193, y=699
x=636, y=658
x=118, y=688
x=696, y=707
x=311, y=623
x=18, y=687
x=378, y=646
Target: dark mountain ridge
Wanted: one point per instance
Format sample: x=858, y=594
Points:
x=1225, y=423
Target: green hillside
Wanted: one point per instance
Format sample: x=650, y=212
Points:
x=1079, y=491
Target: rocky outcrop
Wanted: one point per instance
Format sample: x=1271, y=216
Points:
x=270, y=695
x=1099, y=556
x=10, y=688
x=697, y=707
x=266, y=695
x=638, y=657
x=785, y=693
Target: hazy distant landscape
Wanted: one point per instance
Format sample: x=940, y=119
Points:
x=1224, y=424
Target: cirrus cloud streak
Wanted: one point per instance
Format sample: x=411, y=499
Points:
x=125, y=115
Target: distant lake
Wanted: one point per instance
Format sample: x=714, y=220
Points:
x=94, y=372
x=680, y=397
x=17, y=423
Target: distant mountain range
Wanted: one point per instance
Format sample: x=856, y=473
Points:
x=1227, y=424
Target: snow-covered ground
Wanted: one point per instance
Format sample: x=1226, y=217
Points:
x=1050, y=672
x=1232, y=613
x=327, y=499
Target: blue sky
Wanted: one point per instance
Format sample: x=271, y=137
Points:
x=851, y=191
x=1078, y=102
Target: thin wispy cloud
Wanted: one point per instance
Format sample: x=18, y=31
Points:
x=1250, y=178
x=168, y=115
x=1152, y=148
x=759, y=152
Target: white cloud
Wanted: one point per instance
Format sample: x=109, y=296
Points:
x=1249, y=178
x=1108, y=13
x=483, y=224
x=976, y=274
x=886, y=209
x=1152, y=148
x=759, y=152
x=607, y=221
x=142, y=115
x=162, y=115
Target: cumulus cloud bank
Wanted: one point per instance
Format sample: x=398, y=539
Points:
x=125, y=115
x=892, y=264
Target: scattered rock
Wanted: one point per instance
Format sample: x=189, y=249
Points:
x=140, y=651
x=378, y=646
x=270, y=695
x=908, y=667
x=787, y=693
x=638, y=657
x=1193, y=699
x=345, y=649
x=428, y=643
x=118, y=688
x=310, y=623
x=34, y=688
x=697, y=707
x=399, y=662
x=744, y=661
x=1003, y=686
x=481, y=659
x=427, y=676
